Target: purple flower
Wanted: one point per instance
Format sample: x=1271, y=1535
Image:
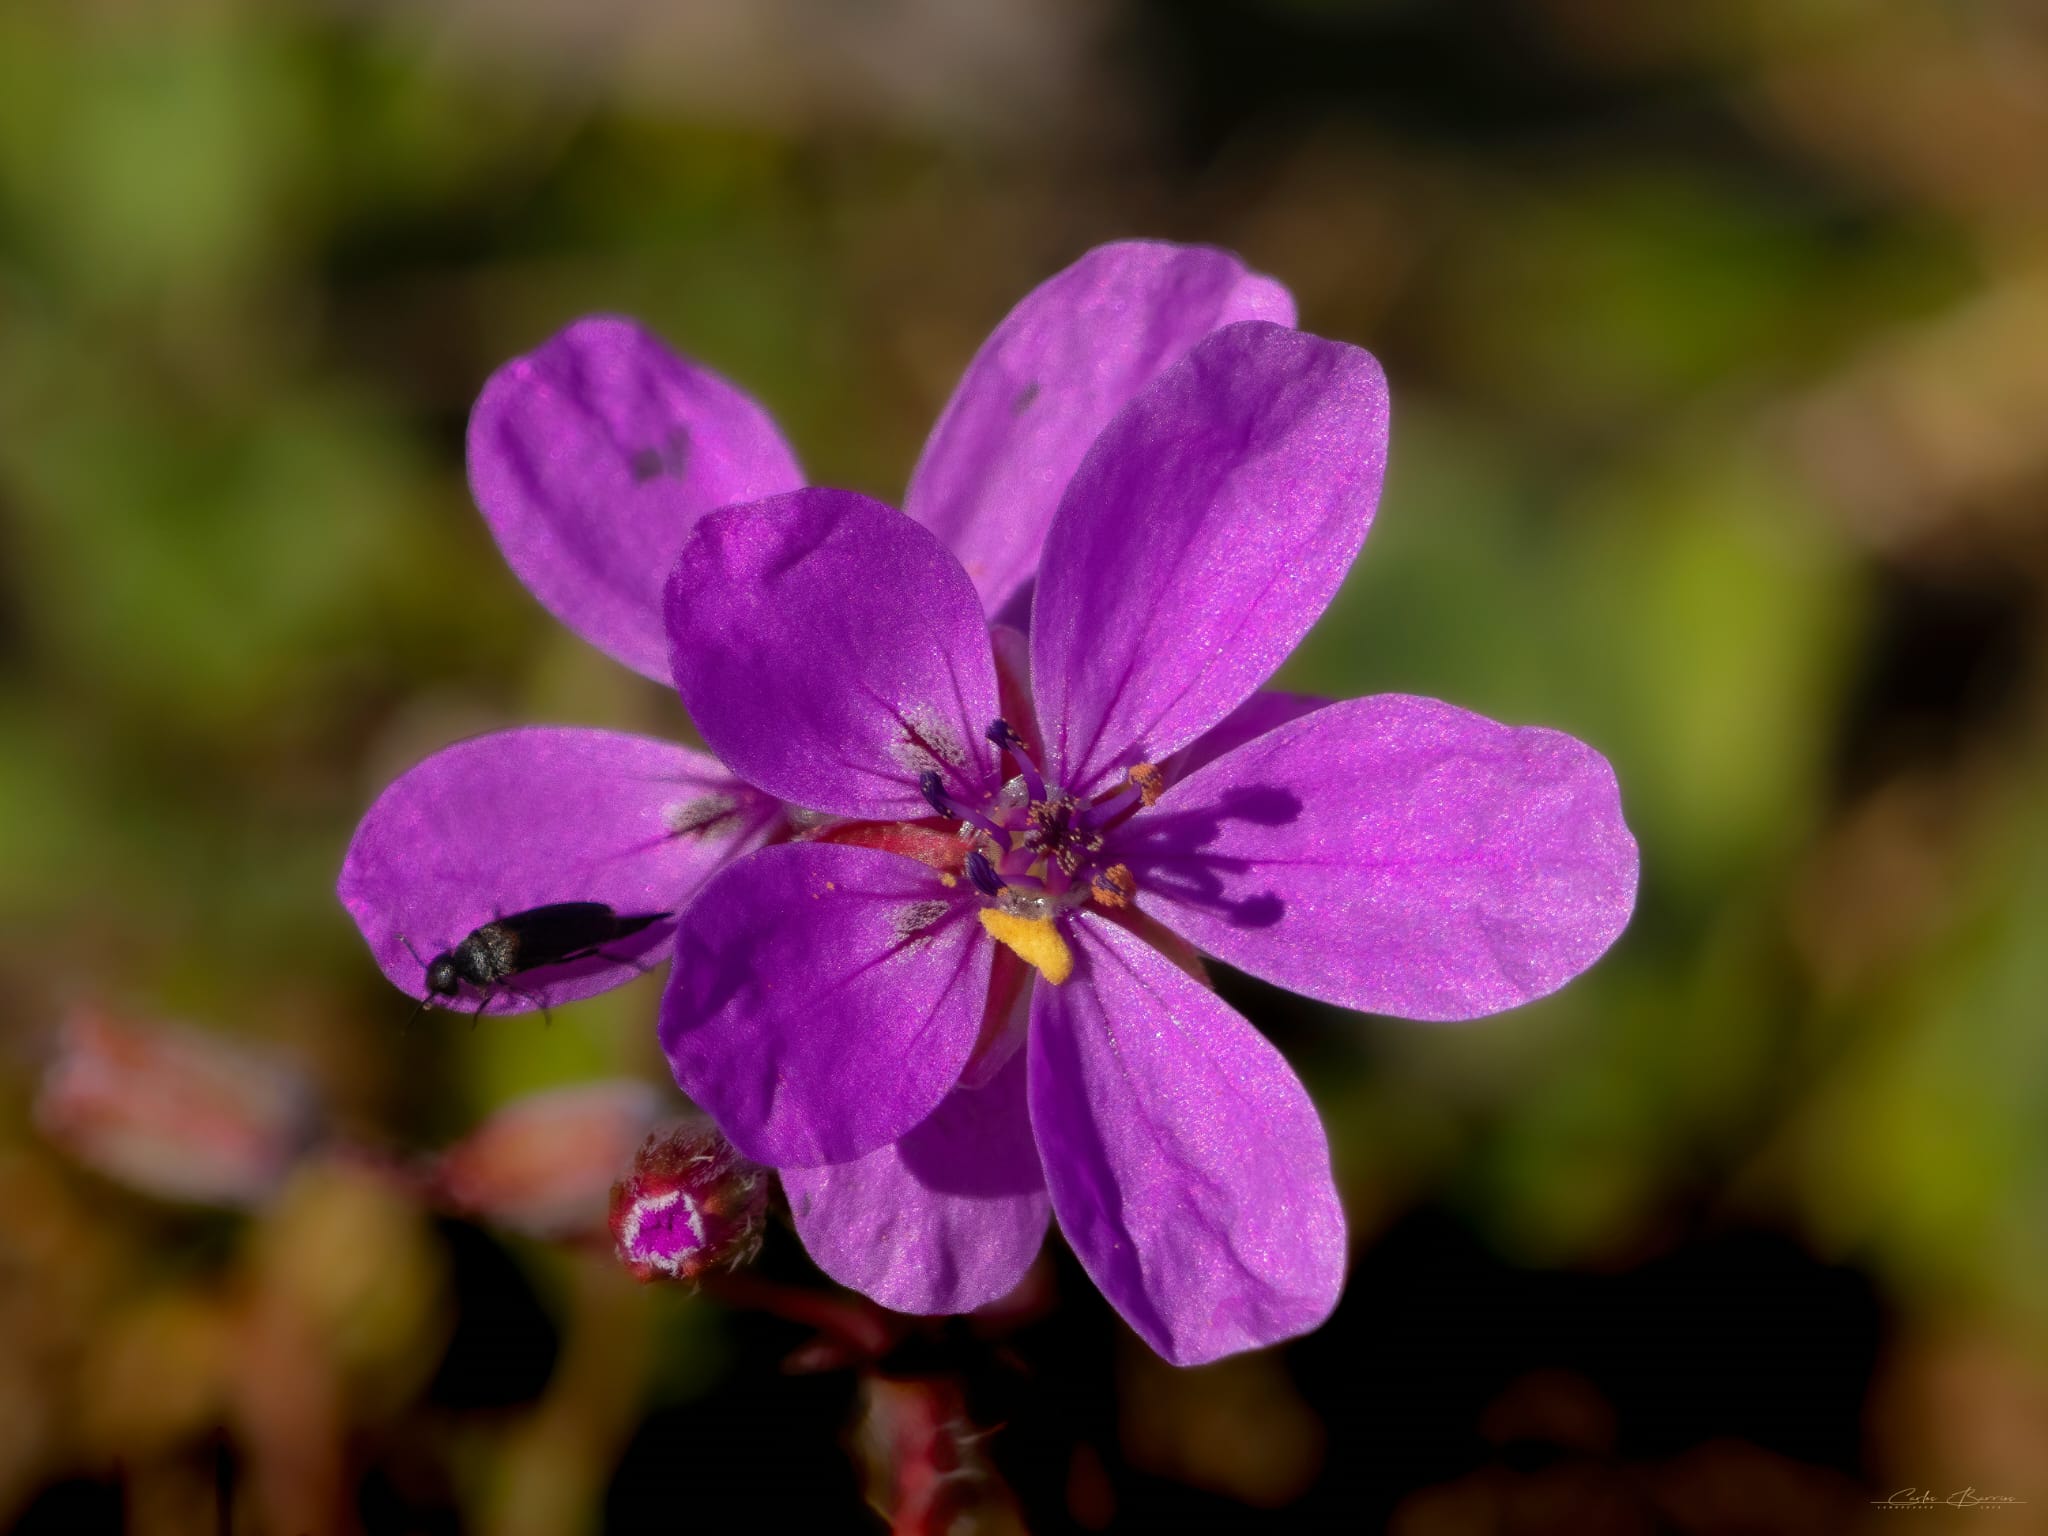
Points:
x=592, y=460
x=871, y=1025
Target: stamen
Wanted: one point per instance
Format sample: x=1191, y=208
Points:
x=1142, y=786
x=1114, y=886
x=1007, y=740
x=983, y=876
x=933, y=789
x=1113, y=807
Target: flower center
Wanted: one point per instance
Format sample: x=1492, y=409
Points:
x=662, y=1230
x=1038, y=851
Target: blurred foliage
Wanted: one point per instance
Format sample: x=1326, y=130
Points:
x=1719, y=352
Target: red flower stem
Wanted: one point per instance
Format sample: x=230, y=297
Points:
x=858, y=1326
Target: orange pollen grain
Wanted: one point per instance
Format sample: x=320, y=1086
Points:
x=1114, y=887
x=1148, y=781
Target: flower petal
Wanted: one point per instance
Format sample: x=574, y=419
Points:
x=1204, y=533
x=1047, y=381
x=823, y=1000
x=591, y=458
x=945, y=1220
x=1266, y=710
x=502, y=823
x=1187, y=1166
x=830, y=650
x=1397, y=855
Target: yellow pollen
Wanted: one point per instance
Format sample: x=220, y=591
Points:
x=1036, y=940
x=1150, y=782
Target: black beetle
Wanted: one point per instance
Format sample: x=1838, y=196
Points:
x=489, y=956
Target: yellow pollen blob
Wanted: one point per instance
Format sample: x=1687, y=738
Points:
x=1036, y=940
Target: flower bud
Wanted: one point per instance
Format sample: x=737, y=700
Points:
x=543, y=1164
x=922, y=1461
x=175, y=1113
x=691, y=1203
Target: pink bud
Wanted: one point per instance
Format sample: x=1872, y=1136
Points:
x=690, y=1203
x=173, y=1112
x=543, y=1164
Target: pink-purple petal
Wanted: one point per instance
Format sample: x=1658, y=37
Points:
x=1204, y=533
x=831, y=650
x=945, y=1220
x=1266, y=710
x=1396, y=855
x=1049, y=378
x=592, y=457
x=519, y=819
x=1186, y=1164
x=823, y=1001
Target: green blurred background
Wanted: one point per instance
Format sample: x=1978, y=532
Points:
x=1718, y=336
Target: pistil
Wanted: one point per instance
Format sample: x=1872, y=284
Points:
x=1035, y=850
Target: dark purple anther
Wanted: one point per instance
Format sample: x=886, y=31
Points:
x=1007, y=740
x=934, y=791
x=983, y=876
